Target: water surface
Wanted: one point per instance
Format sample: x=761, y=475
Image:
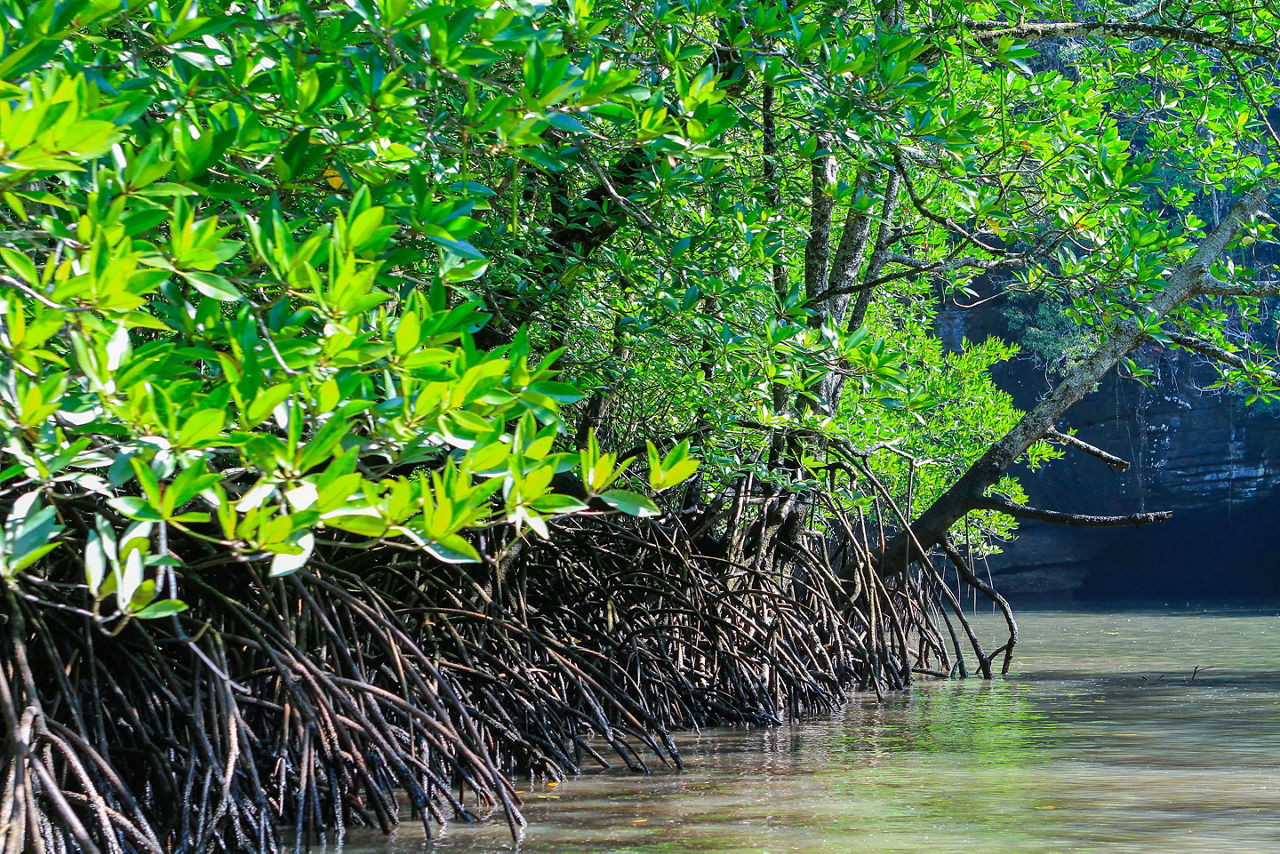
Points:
x=1151, y=731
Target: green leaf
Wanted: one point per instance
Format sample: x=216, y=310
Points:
x=461, y=248
x=264, y=402
x=565, y=122
x=408, y=334
x=557, y=504
x=200, y=427
x=286, y=564
x=161, y=608
x=136, y=508
x=142, y=595
x=631, y=503
x=453, y=549
x=558, y=391
x=365, y=526
x=213, y=286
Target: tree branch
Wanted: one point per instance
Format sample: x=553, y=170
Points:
x=773, y=184
x=1212, y=287
x=1075, y=520
x=916, y=266
x=995, y=30
x=612, y=191
x=817, y=250
x=23, y=287
x=934, y=523
x=847, y=261
x=918, y=202
x=578, y=233
x=886, y=236
x=1212, y=351
x=1092, y=450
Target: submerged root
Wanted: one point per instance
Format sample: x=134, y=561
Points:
x=341, y=695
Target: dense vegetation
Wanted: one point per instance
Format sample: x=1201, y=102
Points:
x=398, y=395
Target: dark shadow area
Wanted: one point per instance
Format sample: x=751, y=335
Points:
x=1206, y=456
x=1208, y=554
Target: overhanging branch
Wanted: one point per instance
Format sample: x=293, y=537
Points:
x=932, y=525
x=1093, y=451
x=1075, y=520
x=1212, y=351
x=994, y=30
x=1211, y=287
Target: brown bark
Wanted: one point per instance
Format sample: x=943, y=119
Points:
x=1075, y=520
x=847, y=262
x=846, y=276
x=885, y=237
x=996, y=30
x=773, y=185
x=595, y=217
x=1093, y=451
x=773, y=189
x=817, y=249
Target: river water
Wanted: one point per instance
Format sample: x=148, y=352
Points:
x=1106, y=737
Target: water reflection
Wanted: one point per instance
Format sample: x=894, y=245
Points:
x=1107, y=738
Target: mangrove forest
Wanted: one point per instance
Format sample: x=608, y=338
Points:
x=403, y=398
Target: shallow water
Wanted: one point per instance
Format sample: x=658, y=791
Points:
x=1105, y=738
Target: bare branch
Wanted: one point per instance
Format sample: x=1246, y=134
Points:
x=19, y=285
x=918, y=203
x=1093, y=451
x=1212, y=351
x=995, y=30
x=612, y=191
x=1075, y=520
x=1212, y=287
x=916, y=266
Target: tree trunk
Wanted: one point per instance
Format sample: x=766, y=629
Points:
x=932, y=525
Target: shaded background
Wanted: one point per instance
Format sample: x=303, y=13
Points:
x=1203, y=454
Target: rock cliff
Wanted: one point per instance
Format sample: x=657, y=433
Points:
x=1203, y=454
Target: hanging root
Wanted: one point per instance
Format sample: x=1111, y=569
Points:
x=971, y=578
x=379, y=684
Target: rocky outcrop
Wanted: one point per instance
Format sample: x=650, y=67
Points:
x=1205, y=455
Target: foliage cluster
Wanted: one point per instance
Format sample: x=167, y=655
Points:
x=353, y=326
x=213, y=338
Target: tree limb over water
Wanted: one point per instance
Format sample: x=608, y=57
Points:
x=1075, y=520
x=1187, y=282
x=319, y=324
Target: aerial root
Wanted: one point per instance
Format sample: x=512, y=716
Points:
x=359, y=689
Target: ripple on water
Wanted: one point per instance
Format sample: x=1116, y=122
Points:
x=1107, y=737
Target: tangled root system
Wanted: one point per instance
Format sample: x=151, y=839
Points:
x=346, y=693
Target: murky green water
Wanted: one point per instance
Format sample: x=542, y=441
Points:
x=1102, y=740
